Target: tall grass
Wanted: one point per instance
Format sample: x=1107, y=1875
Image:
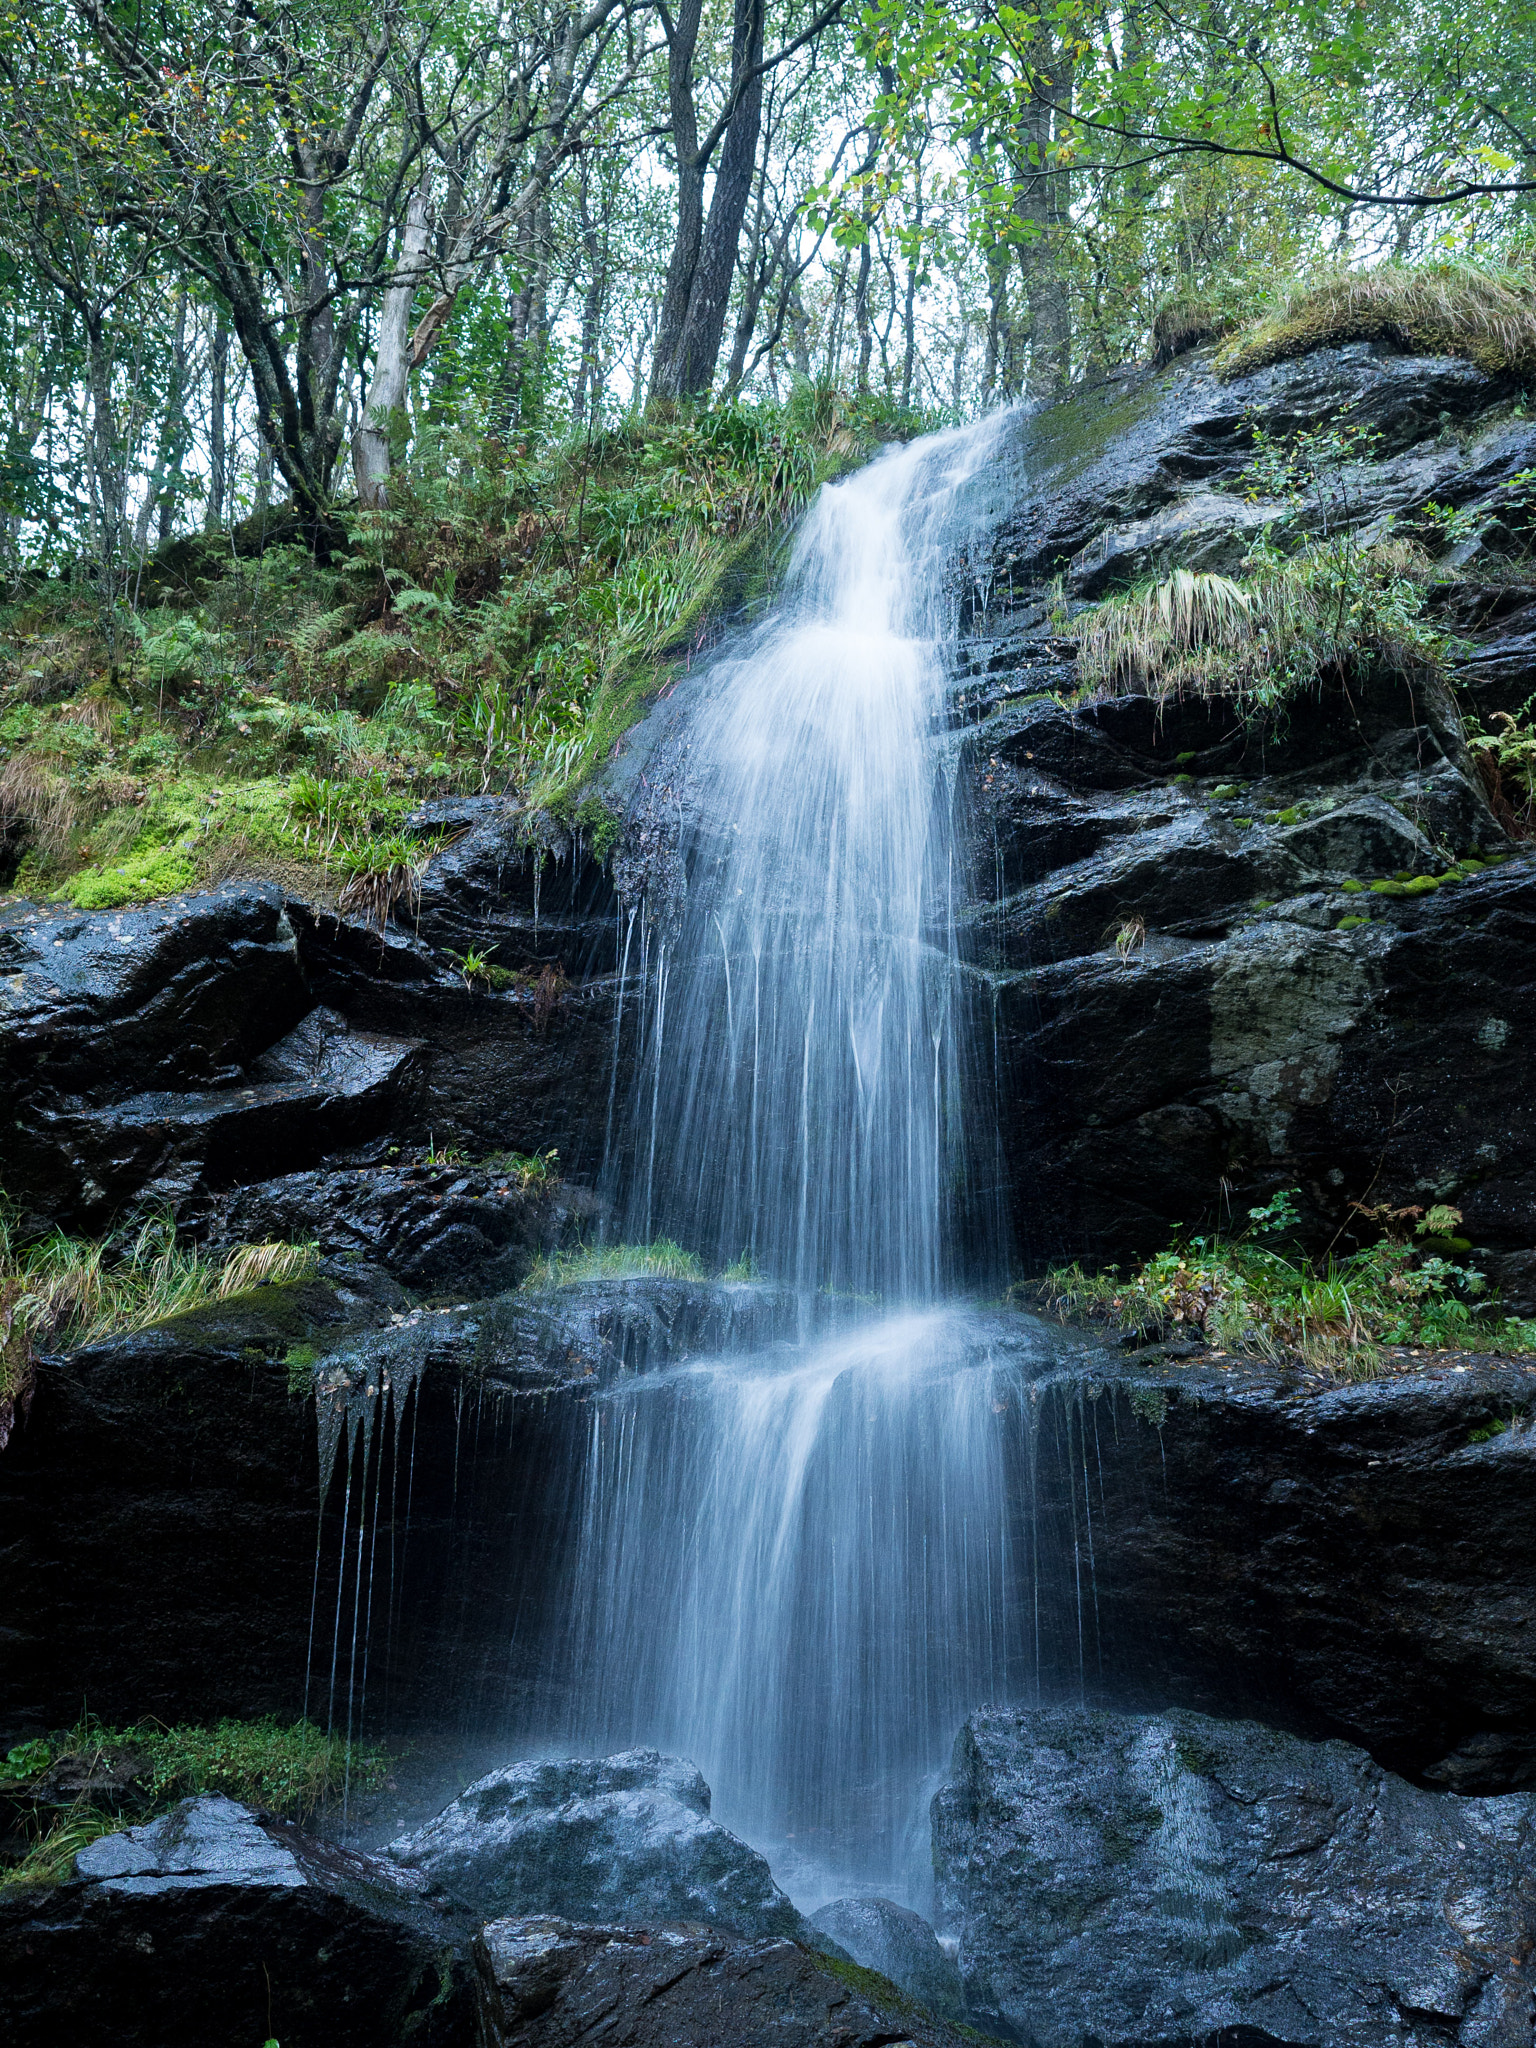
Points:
x=288, y=1770
x=1486, y=315
x=74, y=1290
x=1331, y=607
x=661, y=1259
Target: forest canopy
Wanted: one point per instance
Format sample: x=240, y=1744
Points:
x=389, y=396
x=249, y=247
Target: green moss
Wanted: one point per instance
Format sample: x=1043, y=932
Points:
x=1351, y=887
x=1421, y=885
x=151, y=872
x=301, y=1361
x=1389, y=888
x=1350, y=924
x=1150, y=1404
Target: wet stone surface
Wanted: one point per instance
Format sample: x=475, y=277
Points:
x=1173, y=1879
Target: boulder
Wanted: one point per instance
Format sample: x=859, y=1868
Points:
x=623, y=1839
x=898, y=1943
x=564, y=1986
x=216, y=1924
x=1170, y=1879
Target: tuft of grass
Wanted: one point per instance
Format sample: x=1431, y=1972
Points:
x=1186, y=323
x=74, y=1290
x=1334, y=1314
x=1487, y=316
x=526, y=1170
x=662, y=1260
x=1331, y=608
x=51, y=1857
x=290, y=1770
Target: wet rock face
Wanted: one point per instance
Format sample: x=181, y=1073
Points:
x=1171, y=1879
x=212, y=1924
x=898, y=1943
x=1196, y=994
x=153, y=1058
x=624, y=1839
x=1359, y=1561
x=564, y=1985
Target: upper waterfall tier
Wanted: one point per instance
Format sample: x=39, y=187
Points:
x=797, y=1093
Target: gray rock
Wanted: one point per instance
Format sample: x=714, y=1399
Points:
x=563, y=1985
x=625, y=1839
x=214, y=1924
x=899, y=1944
x=1169, y=1879
x=203, y=1841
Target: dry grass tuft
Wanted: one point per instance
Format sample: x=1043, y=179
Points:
x=36, y=799
x=1486, y=316
x=1184, y=324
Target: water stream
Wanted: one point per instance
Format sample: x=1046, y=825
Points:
x=797, y=1567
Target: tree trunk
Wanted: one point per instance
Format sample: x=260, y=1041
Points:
x=1041, y=201
x=218, y=447
x=371, y=452
x=167, y=447
x=687, y=370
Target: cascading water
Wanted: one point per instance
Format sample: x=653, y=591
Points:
x=800, y=1568
x=793, y=1101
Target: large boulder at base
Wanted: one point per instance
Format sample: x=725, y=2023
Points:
x=626, y=1839
x=212, y=1925
x=898, y=1943
x=690, y=1987
x=1170, y=1879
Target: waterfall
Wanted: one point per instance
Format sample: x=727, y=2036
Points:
x=797, y=1567
x=796, y=1105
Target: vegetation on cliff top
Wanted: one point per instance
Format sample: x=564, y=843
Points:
x=1256, y=1296
x=497, y=628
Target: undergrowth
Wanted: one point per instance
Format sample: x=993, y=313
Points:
x=114, y=1777
x=1257, y=1299
x=496, y=629
x=661, y=1259
x=1331, y=609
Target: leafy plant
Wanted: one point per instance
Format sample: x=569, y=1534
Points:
x=1249, y=1297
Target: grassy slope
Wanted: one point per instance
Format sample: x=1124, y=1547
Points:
x=497, y=629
